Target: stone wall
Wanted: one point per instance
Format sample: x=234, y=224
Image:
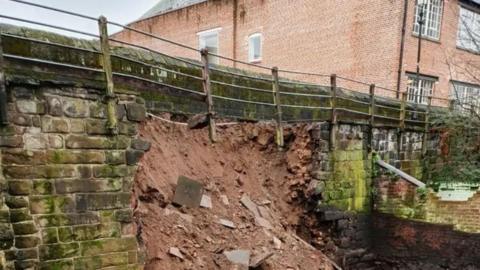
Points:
x=66, y=182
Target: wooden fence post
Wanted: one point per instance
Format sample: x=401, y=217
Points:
x=278, y=104
x=333, y=104
x=372, y=116
x=107, y=67
x=403, y=112
x=212, y=132
x=3, y=90
x=427, y=126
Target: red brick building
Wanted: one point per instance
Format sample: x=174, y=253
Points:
x=375, y=41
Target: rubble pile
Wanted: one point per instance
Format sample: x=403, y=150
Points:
x=230, y=205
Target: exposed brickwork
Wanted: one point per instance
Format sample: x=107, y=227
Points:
x=357, y=39
x=66, y=182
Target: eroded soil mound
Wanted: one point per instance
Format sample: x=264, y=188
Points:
x=245, y=162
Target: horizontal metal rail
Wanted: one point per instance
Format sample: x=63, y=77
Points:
x=156, y=52
x=352, y=111
x=243, y=87
x=36, y=60
x=306, y=107
x=159, y=83
x=305, y=94
x=353, y=100
x=241, y=75
x=304, y=73
x=49, y=25
x=300, y=83
x=387, y=107
x=158, y=67
x=401, y=173
x=50, y=43
x=386, y=117
x=244, y=101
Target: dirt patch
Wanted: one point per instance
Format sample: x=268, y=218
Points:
x=245, y=162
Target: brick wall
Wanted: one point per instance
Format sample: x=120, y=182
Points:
x=66, y=182
x=357, y=39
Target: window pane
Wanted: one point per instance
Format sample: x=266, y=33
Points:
x=419, y=90
x=255, y=48
x=432, y=16
x=210, y=42
x=467, y=97
x=468, y=36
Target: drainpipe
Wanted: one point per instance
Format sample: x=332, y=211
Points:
x=235, y=18
x=402, y=47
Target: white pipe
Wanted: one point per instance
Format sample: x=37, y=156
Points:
x=400, y=173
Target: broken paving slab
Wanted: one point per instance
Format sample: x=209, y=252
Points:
x=238, y=256
x=227, y=223
x=175, y=252
x=260, y=259
x=250, y=205
x=206, y=202
x=188, y=192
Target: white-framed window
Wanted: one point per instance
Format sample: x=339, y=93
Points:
x=209, y=40
x=255, y=47
x=466, y=96
x=432, y=18
x=419, y=89
x=468, y=35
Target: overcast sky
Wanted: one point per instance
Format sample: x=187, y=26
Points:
x=121, y=11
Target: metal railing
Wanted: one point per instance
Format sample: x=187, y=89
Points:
x=331, y=94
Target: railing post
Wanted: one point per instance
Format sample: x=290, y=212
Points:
x=427, y=126
x=107, y=68
x=278, y=104
x=451, y=105
x=403, y=112
x=3, y=90
x=372, y=116
x=333, y=105
x=212, y=133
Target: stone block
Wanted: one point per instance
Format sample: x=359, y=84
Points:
x=55, y=141
x=140, y=144
x=16, y=201
x=102, y=201
x=75, y=157
x=6, y=237
x=135, y=112
x=26, y=254
x=75, y=108
x=133, y=156
x=55, y=220
x=54, y=125
x=109, y=171
x=44, y=171
x=92, y=232
x=20, y=187
x=35, y=141
x=54, y=105
x=77, y=125
x=11, y=141
x=102, y=246
x=26, y=264
x=115, y=157
x=102, y=261
x=22, y=157
x=97, y=127
x=83, y=185
x=84, y=142
x=5, y=215
x=127, y=128
x=57, y=264
x=26, y=241
x=58, y=251
x=49, y=235
x=24, y=228
x=188, y=192
x=51, y=204
x=20, y=215
x=123, y=215
x=65, y=234
x=98, y=110
x=42, y=187
x=30, y=106
x=121, y=111
x=20, y=119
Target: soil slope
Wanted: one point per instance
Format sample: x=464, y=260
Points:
x=245, y=162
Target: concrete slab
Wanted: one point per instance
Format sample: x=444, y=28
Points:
x=238, y=256
x=188, y=192
x=227, y=223
x=206, y=201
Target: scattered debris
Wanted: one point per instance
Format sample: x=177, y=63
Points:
x=176, y=252
x=188, y=192
x=224, y=199
x=277, y=243
x=198, y=121
x=260, y=259
x=227, y=223
x=206, y=202
x=241, y=257
x=252, y=207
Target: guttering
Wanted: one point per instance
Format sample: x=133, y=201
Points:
x=402, y=47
